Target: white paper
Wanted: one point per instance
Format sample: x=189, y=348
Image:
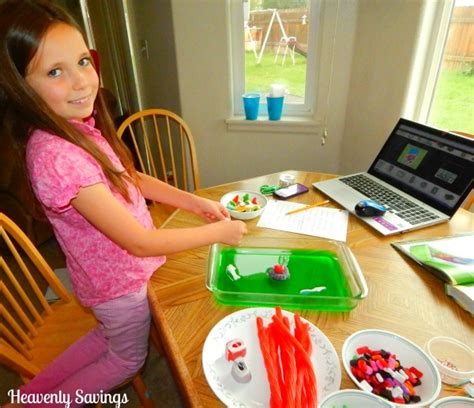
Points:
x=329, y=223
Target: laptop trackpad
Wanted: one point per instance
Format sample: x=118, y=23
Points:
x=339, y=192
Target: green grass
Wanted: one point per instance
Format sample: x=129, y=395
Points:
x=258, y=78
x=453, y=104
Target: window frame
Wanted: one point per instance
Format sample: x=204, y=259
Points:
x=426, y=67
x=305, y=109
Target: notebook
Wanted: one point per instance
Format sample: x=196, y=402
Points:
x=421, y=175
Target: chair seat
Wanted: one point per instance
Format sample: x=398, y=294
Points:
x=160, y=213
x=68, y=322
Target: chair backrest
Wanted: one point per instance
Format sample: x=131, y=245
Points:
x=164, y=147
x=24, y=277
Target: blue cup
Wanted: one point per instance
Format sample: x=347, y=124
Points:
x=275, y=107
x=251, y=105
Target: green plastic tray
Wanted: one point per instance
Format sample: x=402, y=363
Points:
x=331, y=265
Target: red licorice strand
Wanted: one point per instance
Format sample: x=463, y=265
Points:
x=299, y=388
x=275, y=358
x=298, y=347
x=288, y=360
x=291, y=373
x=275, y=392
x=309, y=386
x=300, y=377
x=274, y=352
x=278, y=312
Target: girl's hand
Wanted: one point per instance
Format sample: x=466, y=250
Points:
x=230, y=232
x=210, y=211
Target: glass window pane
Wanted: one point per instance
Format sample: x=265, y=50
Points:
x=276, y=43
x=453, y=102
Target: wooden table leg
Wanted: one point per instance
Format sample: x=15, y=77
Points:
x=178, y=366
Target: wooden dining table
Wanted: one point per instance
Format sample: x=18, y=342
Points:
x=402, y=296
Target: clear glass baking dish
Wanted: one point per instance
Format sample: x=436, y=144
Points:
x=326, y=277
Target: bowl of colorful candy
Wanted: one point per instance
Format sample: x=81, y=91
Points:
x=391, y=367
x=243, y=204
x=353, y=398
x=453, y=359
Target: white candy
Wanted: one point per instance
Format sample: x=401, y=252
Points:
x=365, y=386
x=240, y=371
x=231, y=271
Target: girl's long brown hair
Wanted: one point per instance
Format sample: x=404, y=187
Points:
x=23, y=24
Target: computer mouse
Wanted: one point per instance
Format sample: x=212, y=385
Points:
x=369, y=208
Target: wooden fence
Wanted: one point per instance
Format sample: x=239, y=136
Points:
x=459, y=50
x=458, y=53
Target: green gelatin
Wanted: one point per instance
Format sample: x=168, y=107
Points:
x=307, y=269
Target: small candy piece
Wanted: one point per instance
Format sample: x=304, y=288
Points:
x=278, y=272
x=235, y=349
x=362, y=350
x=400, y=378
x=232, y=273
x=240, y=371
x=365, y=386
x=418, y=373
x=279, y=268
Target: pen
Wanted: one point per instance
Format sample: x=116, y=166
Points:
x=307, y=207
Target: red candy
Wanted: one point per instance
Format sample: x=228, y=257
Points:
x=279, y=268
x=235, y=349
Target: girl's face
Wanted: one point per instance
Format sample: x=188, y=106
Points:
x=62, y=74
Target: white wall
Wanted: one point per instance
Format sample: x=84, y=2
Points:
x=383, y=51
x=365, y=91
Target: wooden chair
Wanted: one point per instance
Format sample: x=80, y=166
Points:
x=32, y=331
x=164, y=147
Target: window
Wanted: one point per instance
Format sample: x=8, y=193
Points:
x=453, y=101
x=274, y=41
x=441, y=90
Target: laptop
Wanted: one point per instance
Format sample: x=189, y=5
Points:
x=421, y=176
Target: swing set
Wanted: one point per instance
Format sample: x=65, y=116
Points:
x=286, y=44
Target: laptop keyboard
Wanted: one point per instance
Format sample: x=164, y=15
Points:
x=393, y=202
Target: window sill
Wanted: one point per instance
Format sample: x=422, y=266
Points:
x=295, y=124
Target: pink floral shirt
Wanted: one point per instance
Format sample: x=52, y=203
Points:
x=99, y=269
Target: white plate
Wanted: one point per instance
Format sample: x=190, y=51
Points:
x=454, y=402
x=256, y=393
x=406, y=351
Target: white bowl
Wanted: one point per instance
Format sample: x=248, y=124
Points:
x=261, y=200
x=453, y=402
x=453, y=359
x=407, y=352
x=354, y=398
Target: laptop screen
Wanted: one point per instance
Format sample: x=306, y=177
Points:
x=432, y=165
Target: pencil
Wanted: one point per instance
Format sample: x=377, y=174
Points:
x=307, y=207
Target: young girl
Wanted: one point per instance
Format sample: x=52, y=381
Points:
x=84, y=179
